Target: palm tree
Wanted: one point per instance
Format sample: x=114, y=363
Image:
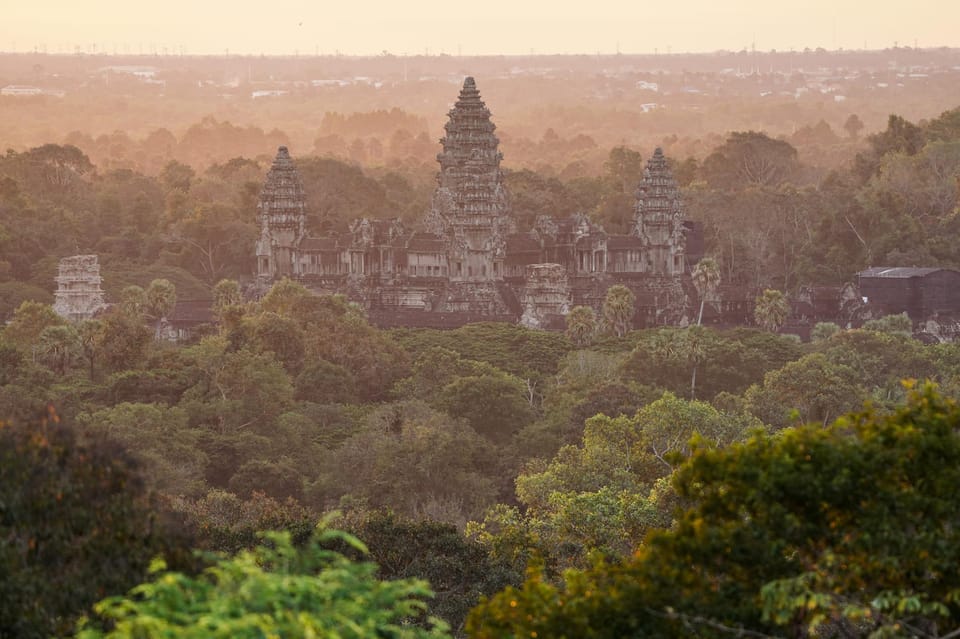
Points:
x=618, y=309
x=706, y=279
x=581, y=325
x=771, y=310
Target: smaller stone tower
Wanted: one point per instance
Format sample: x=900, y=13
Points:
x=78, y=295
x=281, y=214
x=658, y=219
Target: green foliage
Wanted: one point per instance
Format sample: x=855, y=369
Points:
x=816, y=388
x=415, y=461
x=460, y=570
x=823, y=330
x=606, y=493
x=526, y=353
x=29, y=321
x=273, y=590
x=13, y=294
x=325, y=383
x=159, y=438
x=76, y=525
x=470, y=398
x=894, y=324
x=726, y=362
x=841, y=530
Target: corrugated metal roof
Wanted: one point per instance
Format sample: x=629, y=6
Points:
x=899, y=272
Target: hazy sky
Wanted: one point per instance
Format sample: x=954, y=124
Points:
x=472, y=27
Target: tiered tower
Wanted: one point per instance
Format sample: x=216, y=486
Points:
x=658, y=219
x=470, y=207
x=281, y=213
x=78, y=295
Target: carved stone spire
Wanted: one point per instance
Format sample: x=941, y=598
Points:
x=281, y=213
x=658, y=218
x=282, y=203
x=470, y=206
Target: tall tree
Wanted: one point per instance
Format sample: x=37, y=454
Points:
x=706, y=278
x=160, y=298
x=618, y=309
x=853, y=126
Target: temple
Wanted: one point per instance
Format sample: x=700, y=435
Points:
x=468, y=261
x=78, y=295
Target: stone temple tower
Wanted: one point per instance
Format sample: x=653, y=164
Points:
x=470, y=207
x=78, y=295
x=658, y=219
x=281, y=213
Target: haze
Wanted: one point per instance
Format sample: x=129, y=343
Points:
x=362, y=27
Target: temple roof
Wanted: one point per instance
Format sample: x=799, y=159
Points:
x=522, y=243
x=623, y=242
x=426, y=242
x=318, y=244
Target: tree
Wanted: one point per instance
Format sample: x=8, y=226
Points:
x=275, y=590
x=77, y=525
x=750, y=159
x=853, y=126
x=415, y=461
x=133, y=302
x=706, y=279
x=460, y=570
x=624, y=167
x=469, y=397
x=28, y=323
x=59, y=348
x=823, y=330
x=158, y=437
x=618, y=309
x=226, y=294
x=770, y=311
x=606, y=492
x=160, y=298
x=813, y=387
x=581, y=325
x=840, y=531
x=900, y=324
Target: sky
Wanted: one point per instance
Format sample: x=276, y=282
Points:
x=471, y=27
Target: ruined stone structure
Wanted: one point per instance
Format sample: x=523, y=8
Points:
x=78, y=296
x=470, y=262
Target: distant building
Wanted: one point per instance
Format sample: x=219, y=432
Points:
x=470, y=262
x=20, y=90
x=921, y=293
x=78, y=296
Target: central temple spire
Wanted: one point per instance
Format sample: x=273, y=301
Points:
x=470, y=159
x=470, y=206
